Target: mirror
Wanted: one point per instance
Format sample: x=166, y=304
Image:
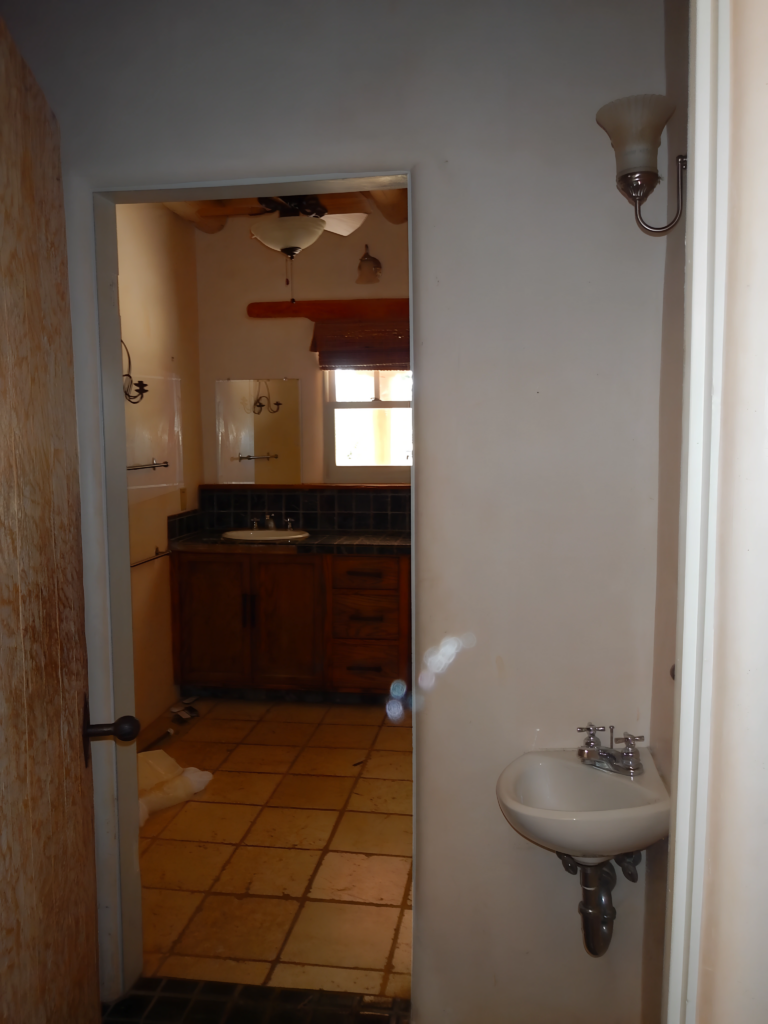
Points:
x=258, y=431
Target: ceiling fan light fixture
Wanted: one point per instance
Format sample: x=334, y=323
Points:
x=368, y=269
x=289, y=234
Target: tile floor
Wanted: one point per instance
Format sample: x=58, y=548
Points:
x=292, y=869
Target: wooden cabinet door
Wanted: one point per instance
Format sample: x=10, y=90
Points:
x=287, y=591
x=213, y=619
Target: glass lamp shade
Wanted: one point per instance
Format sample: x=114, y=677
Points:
x=368, y=269
x=287, y=234
x=634, y=125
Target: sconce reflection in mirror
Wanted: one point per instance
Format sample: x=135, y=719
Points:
x=133, y=392
x=262, y=402
x=368, y=269
x=634, y=125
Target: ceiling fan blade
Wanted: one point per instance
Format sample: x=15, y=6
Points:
x=392, y=203
x=343, y=223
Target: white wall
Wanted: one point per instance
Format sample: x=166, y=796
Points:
x=537, y=356
x=234, y=270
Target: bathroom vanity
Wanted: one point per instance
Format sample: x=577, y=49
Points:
x=287, y=618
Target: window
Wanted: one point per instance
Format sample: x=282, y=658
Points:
x=369, y=420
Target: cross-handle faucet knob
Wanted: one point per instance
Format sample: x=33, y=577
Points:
x=629, y=740
x=591, y=741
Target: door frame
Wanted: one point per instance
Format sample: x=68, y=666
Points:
x=109, y=627
x=706, y=240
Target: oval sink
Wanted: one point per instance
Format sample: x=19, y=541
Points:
x=265, y=536
x=556, y=801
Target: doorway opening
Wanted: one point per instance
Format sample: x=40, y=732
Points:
x=276, y=662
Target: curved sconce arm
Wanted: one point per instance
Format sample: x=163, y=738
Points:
x=682, y=164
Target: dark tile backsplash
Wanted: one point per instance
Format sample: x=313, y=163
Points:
x=379, y=511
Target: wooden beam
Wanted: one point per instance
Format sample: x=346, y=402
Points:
x=320, y=310
x=392, y=203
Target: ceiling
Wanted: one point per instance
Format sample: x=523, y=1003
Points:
x=211, y=215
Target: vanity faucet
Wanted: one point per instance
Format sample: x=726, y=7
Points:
x=254, y=524
x=271, y=523
x=622, y=762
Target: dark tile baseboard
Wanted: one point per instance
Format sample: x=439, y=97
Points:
x=216, y=1002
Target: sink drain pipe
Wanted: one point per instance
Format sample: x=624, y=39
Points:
x=596, y=907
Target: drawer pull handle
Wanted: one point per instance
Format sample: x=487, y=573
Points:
x=366, y=618
x=365, y=668
x=360, y=572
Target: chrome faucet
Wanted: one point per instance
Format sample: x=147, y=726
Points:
x=609, y=759
x=271, y=523
x=254, y=524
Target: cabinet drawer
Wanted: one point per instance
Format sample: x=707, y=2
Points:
x=371, y=665
x=371, y=616
x=365, y=573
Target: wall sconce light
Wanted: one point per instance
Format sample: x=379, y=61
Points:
x=262, y=402
x=133, y=392
x=634, y=125
x=368, y=269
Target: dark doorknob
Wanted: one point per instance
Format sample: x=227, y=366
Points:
x=126, y=728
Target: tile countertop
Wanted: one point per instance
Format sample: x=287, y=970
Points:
x=316, y=544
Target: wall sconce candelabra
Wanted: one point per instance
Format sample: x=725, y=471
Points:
x=133, y=392
x=634, y=125
x=368, y=269
x=262, y=402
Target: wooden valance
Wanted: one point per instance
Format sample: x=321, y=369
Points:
x=320, y=310
x=362, y=345
x=352, y=334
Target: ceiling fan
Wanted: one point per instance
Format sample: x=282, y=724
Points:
x=289, y=224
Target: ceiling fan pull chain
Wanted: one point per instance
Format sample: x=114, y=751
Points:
x=287, y=282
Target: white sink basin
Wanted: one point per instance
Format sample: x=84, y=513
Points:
x=265, y=536
x=555, y=800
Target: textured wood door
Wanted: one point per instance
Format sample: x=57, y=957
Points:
x=288, y=639
x=48, y=946
x=214, y=619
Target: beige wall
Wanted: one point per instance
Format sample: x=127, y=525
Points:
x=537, y=347
x=233, y=270
x=158, y=311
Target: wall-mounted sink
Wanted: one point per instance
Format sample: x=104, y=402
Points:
x=265, y=536
x=555, y=800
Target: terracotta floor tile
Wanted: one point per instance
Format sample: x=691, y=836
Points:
x=249, y=928
x=327, y=979
x=248, y=710
x=155, y=823
x=237, y=972
x=205, y=704
x=260, y=759
x=171, y=864
x=212, y=823
x=358, y=736
x=265, y=871
x=206, y=756
x=281, y=734
x=388, y=764
x=406, y=722
x=361, y=878
x=399, y=986
x=296, y=713
x=375, y=833
x=409, y=901
x=386, y=796
x=151, y=963
x=355, y=714
x=144, y=845
x=238, y=788
x=295, y=829
x=394, y=739
x=342, y=935
x=401, y=962
x=218, y=729
x=165, y=914
x=329, y=761
x=312, y=791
